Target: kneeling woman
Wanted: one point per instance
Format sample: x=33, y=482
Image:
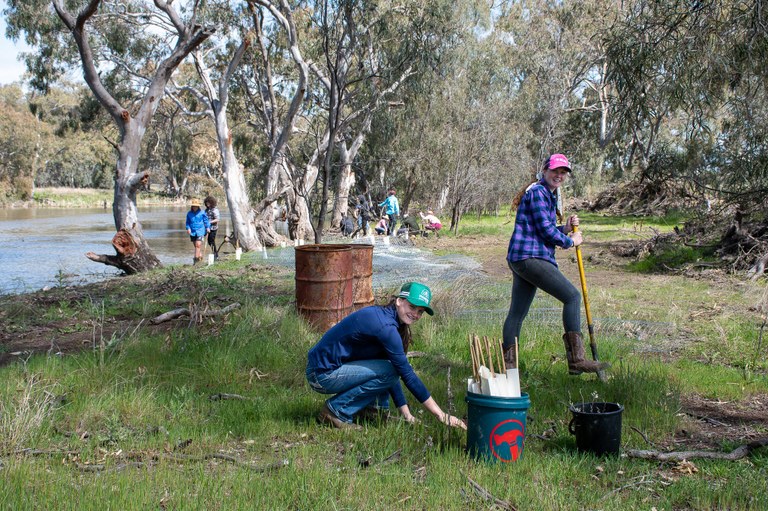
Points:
x=362, y=360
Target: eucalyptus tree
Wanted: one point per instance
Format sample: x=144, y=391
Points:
x=367, y=54
x=277, y=106
x=209, y=98
x=22, y=145
x=127, y=51
x=361, y=70
x=691, y=81
x=271, y=83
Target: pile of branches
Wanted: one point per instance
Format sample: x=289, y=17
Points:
x=744, y=244
x=647, y=198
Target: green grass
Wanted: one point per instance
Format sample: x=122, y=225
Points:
x=147, y=400
x=670, y=259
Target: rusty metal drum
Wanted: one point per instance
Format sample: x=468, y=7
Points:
x=324, y=281
x=362, y=274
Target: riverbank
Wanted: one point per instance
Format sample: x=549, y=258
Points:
x=62, y=197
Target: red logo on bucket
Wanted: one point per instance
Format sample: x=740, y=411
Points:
x=506, y=440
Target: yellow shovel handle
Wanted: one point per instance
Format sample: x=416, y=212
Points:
x=583, y=279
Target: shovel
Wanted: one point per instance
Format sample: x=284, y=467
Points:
x=590, y=327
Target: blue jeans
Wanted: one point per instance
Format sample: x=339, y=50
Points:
x=357, y=384
x=532, y=274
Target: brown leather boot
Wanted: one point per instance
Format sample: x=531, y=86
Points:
x=574, y=351
x=510, y=358
x=327, y=417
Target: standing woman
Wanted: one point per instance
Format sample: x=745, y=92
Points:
x=197, y=227
x=531, y=257
x=392, y=209
x=361, y=360
x=213, y=217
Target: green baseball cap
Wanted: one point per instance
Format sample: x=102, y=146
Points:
x=418, y=295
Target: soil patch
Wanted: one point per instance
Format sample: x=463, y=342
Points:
x=710, y=422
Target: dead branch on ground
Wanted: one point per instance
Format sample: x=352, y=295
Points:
x=181, y=458
x=224, y=396
x=740, y=452
x=197, y=315
x=501, y=504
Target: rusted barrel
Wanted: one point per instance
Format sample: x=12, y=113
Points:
x=362, y=272
x=324, y=284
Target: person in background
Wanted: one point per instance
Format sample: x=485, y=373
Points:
x=531, y=257
x=362, y=359
x=381, y=227
x=432, y=222
x=363, y=210
x=347, y=225
x=392, y=206
x=410, y=225
x=198, y=226
x=213, y=217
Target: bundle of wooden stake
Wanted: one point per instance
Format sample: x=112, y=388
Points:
x=486, y=379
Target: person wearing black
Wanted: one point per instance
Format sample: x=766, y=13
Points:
x=213, y=217
x=363, y=210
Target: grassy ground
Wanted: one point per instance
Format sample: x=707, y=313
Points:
x=136, y=420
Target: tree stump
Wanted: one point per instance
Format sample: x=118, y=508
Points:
x=133, y=253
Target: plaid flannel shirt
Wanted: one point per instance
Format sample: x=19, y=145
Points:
x=536, y=231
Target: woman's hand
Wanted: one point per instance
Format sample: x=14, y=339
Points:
x=410, y=419
x=570, y=223
x=454, y=422
x=443, y=417
x=576, y=238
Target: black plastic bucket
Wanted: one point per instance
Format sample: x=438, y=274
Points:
x=597, y=427
x=496, y=427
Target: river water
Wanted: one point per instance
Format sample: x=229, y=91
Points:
x=46, y=247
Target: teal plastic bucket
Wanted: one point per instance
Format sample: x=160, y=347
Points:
x=496, y=427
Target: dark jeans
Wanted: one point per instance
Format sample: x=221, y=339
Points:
x=532, y=274
x=392, y=227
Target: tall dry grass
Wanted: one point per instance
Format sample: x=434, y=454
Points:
x=23, y=415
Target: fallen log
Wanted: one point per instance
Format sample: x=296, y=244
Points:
x=740, y=452
x=181, y=312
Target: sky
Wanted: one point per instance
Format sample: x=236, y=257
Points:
x=11, y=68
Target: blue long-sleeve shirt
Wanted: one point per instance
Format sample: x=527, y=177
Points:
x=536, y=231
x=197, y=223
x=370, y=333
x=392, y=205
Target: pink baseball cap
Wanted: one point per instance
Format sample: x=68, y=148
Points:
x=558, y=160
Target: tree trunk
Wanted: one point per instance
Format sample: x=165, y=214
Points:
x=133, y=252
x=345, y=183
x=242, y=215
